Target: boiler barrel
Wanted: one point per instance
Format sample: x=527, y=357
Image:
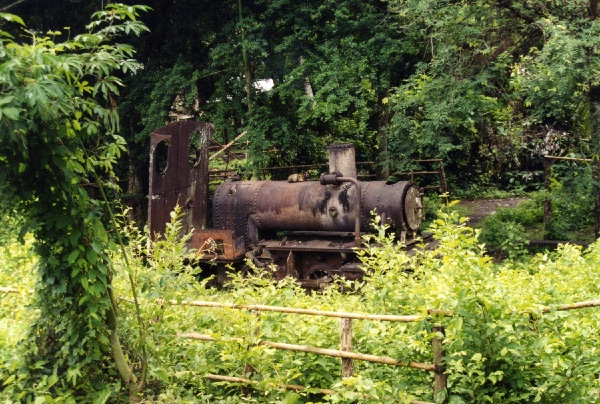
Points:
x=310, y=206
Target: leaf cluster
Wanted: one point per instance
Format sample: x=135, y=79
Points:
x=500, y=345
x=58, y=137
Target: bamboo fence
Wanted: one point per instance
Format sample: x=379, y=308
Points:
x=345, y=352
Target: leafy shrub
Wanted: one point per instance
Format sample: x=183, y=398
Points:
x=572, y=200
x=506, y=231
x=504, y=236
x=500, y=345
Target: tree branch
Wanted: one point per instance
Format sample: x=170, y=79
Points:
x=593, y=9
x=11, y=5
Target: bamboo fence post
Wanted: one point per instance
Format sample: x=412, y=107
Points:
x=443, y=184
x=249, y=370
x=440, y=378
x=346, y=345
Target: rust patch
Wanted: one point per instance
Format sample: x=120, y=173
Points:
x=179, y=180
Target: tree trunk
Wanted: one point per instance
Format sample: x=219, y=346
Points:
x=134, y=193
x=121, y=362
x=382, y=155
x=247, y=69
x=594, y=100
x=593, y=9
x=308, y=90
x=547, y=200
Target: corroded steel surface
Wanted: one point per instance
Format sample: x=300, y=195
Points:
x=400, y=202
x=233, y=205
x=253, y=206
x=182, y=178
x=307, y=229
x=342, y=159
x=217, y=245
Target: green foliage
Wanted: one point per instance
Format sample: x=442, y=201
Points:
x=58, y=130
x=500, y=346
x=507, y=232
x=15, y=312
x=401, y=79
x=555, y=78
x=572, y=201
x=507, y=236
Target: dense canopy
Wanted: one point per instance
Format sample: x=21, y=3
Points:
x=485, y=85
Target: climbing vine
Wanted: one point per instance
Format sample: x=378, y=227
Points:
x=58, y=143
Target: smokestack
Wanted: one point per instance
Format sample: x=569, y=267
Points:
x=342, y=159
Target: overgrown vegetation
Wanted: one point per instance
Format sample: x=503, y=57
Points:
x=572, y=200
x=402, y=79
x=500, y=344
x=59, y=143
x=489, y=87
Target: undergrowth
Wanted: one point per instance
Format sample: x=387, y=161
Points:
x=501, y=346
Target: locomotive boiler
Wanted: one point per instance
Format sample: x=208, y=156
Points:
x=309, y=230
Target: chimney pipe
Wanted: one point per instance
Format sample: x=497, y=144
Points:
x=342, y=159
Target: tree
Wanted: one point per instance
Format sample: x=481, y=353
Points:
x=58, y=131
x=332, y=65
x=493, y=79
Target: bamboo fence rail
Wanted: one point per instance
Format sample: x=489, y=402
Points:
x=338, y=314
x=320, y=351
x=345, y=351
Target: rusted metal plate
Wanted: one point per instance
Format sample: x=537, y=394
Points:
x=233, y=205
x=413, y=208
x=316, y=245
x=253, y=206
x=217, y=244
x=397, y=202
x=179, y=174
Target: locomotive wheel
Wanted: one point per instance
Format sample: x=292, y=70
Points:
x=322, y=274
x=319, y=275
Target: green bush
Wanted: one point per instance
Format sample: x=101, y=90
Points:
x=572, y=200
x=508, y=230
x=501, y=346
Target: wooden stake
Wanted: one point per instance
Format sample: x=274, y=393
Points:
x=440, y=380
x=227, y=145
x=346, y=345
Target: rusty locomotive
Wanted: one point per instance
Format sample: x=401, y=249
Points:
x=306, y=229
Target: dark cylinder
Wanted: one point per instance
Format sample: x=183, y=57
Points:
x=310, y=206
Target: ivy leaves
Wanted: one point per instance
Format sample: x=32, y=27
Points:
x=58, y=130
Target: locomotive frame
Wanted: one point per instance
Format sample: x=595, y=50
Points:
x=309, y=230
